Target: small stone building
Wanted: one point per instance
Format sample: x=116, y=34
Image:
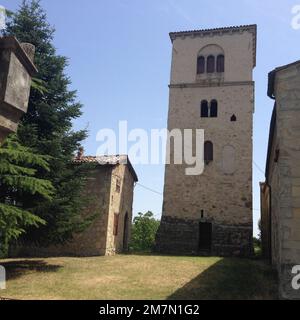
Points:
x=280, y=193
x=211, y=88
x=110, y=189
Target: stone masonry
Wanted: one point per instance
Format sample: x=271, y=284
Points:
x=16, y=70
x=211, y=213
x=280, y=193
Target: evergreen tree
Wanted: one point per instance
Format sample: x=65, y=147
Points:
x=18, y=168
x=47, y=128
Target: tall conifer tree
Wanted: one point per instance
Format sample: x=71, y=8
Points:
x=47, y=129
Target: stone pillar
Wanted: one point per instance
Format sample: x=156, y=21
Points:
x=16, y=71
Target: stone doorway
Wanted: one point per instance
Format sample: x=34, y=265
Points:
x=205, y=237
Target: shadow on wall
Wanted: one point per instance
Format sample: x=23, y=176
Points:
x=18, y=268
x=231, y=279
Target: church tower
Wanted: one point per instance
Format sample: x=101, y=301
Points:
x=212, y=89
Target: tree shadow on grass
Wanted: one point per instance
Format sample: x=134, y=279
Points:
x=18, y=268
x=231, y=279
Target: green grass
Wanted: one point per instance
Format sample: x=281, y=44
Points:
x=138, y=277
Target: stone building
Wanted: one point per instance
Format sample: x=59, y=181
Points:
x=280, y=193
x=110, y=189
x=211, y=88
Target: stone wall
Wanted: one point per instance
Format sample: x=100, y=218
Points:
x=226, y=197
x=120, y=204
x=283, y=178
x=265, y=204
x=181, y=236
x=91, y=242
x=287, y=95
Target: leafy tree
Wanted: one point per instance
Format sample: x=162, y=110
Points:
x=259, y=228
x=47, y=129
x=144, y=230
x=18, y=169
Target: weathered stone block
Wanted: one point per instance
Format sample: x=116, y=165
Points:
x=16, y=70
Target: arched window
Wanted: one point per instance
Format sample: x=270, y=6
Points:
x=214, y=108
x=208, y=152
x=204, y=109
x=220, y=63
x=200, y=65
x=210, y=64
x=233, y=118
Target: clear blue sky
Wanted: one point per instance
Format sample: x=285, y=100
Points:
x=120, y=55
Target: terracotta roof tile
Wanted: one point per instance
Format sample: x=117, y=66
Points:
x=111, y=160
x=179, y=33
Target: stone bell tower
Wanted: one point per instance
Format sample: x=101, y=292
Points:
x=211, y=88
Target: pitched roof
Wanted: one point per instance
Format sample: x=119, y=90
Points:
x=111, y=160
x=204, y=32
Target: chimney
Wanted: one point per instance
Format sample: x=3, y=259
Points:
x=80, y=153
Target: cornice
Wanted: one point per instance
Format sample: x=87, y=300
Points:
x=211, y=84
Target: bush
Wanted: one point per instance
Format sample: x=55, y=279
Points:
x=257, y=247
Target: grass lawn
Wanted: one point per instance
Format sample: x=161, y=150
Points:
x=138, y=277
